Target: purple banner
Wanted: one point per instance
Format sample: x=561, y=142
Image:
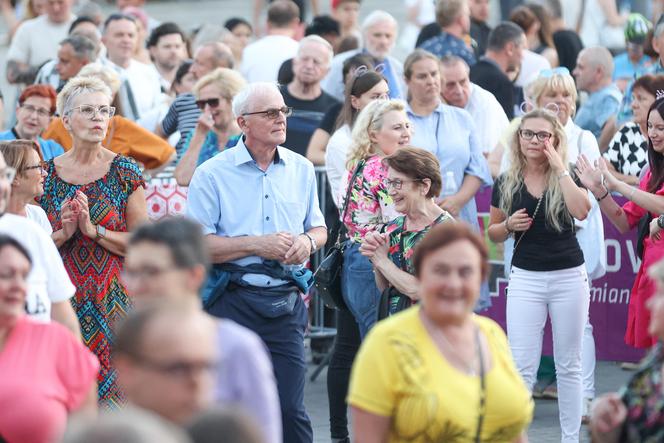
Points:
x=609, y=295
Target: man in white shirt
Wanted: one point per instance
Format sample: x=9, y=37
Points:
x=36, y=41
x=167, y=49
x=262, y=59
x=457, y=90
x=140, y=90
x=379, y=32
x=49, y=286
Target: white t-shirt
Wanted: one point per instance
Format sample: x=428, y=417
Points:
x=145, y=87
x=48, y=281
x=531, y=65
x=262, y=59
x=37, y=215
x=488, y=115
x=336, y=155
x=36, y=40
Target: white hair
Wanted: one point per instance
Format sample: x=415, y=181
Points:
x=77, y=86
x=243, y=98
x=319, y=40
x=378, y=16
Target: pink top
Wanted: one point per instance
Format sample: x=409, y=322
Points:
x=45, y=373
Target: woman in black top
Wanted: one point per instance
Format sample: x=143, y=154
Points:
x=536, y=200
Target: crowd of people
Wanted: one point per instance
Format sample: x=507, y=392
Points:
x=165, y=196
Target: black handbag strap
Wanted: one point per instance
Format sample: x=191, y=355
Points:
x=344, y=209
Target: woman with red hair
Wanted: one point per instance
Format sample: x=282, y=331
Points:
x=36, y=106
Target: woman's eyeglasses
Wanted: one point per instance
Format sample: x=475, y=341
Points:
x=41, y=165
x=273, y=113
x=89, y=111
x=527, y=134
x=398, y=183
x=211, y=102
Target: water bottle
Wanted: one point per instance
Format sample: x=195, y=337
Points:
x=449, y=185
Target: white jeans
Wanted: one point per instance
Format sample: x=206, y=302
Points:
x=565, y=296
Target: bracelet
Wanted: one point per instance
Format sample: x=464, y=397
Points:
x=599, y=199
x=507, y=227
x=563, y=174
x=101, y=232
x=631, y=194
x=660, y=221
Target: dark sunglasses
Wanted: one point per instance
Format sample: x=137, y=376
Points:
x=211, y=102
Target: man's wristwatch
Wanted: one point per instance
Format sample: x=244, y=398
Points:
x=660, y=221
x=314, y=246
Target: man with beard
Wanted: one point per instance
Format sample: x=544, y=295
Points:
x=379, y=31
x=304, y=93
x=167, y=49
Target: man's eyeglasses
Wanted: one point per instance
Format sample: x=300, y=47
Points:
x=527, y=134
x=41, y=112
x=8, y=173
x=211, y=102
x=89, y=111
x=397, y=183
x=273, y=113
x=178, y=369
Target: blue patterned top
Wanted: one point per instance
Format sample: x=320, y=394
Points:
x=447, y=44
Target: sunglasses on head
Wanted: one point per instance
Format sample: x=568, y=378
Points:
x=211, y=102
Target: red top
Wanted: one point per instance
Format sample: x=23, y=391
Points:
x=45, y=373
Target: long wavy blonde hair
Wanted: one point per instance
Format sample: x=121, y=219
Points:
x=513, y=179
x=370, y=119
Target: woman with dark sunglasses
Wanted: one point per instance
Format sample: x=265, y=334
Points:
x=216, y=129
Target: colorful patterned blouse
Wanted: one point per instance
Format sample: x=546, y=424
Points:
x=402, y=243
x=370, y=206
x=645, y=402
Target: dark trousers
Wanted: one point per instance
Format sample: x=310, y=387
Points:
x=346, y=345
x=284, y=337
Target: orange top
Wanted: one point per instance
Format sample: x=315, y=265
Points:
x=128, y=139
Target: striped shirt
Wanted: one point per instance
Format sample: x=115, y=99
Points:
x=182, y=116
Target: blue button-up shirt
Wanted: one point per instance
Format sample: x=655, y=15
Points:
x=448, y=44
x=600, y=105
x=230, y=196
x=50, y=148
x=450, y=134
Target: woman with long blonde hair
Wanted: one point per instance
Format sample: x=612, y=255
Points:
x=537, y=200
x=381, y=128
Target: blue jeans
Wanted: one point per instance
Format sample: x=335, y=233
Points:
x=358, y=287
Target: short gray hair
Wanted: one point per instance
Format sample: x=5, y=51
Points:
x=450, y=60
x=321, y=41
x=599, y=56
x=83, y=47
x=243, y=98
x=378, y=16
x=77, y=86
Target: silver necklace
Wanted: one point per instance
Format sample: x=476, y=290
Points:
x=469, y=367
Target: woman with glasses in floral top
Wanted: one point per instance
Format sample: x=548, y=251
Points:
x=413, y=181
x=93, y=197
x=381, y=129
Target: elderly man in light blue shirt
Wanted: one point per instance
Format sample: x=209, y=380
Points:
x=258, y=206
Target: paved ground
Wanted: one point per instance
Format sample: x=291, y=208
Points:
x=191, y=13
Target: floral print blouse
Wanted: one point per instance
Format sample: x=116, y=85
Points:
x=370, y=206
x=645, y=402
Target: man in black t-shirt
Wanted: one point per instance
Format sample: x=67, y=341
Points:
x=304, y=93
x=504, y=54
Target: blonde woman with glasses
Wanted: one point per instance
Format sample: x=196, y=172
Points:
x=93, y=198
x=537, y=200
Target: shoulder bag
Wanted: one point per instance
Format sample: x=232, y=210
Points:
x=327, y=278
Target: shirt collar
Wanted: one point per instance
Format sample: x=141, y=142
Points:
x=242, y=154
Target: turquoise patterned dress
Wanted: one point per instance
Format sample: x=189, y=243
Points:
x=100, y=298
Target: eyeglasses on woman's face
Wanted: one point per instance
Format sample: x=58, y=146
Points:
x=527, y=134
x=41, y=112
x=211, y=102
x=397, y=183
x=90, y=111
x=41, y=166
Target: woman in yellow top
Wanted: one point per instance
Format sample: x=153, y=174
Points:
x=437, y=372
